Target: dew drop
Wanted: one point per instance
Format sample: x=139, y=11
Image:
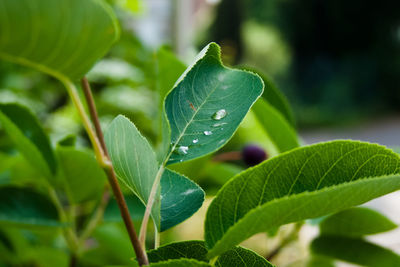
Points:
x=195, y=141
x=181, y=150
x=207, y=133
x=220, y=114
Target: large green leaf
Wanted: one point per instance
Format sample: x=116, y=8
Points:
x=356, y=222
x=303, y=183
x=355, y=251
x=28, y=135
x=134, y=160
x=82, y=176
x=180, y=199
x=238, y=257
x=62, y=38
x=23, y=207
x=207, y=105
x=280, y=133
x=136, y=165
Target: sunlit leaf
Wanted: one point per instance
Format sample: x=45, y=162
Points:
x=303, y=183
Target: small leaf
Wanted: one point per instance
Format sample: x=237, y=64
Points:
x=356, y=222
x=239, y=257
x=303, y=183
x=207, y=105
x=62, y=38
x=23, y=207
x=355, y=251
x=82, y=176
x=180, y=199
x=134, y=160
x=280, y=133
x=29, y=137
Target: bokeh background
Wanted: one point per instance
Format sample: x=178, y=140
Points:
x=337, y=62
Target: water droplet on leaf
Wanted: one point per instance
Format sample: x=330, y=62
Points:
x=195, y=141
x=181, y=150
x=219, y=114
x=207, y=133
x=219, y=124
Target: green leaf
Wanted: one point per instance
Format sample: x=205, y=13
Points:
x=275, y=98
x=180, y=263
x=280, y=133
x=303, y=183
x=356, y=222
x=82, y=176
x=23, y=207
x=239, y=257
x=62, y=38
x=180, y=199
x=134, y=160
x=136, y=165
x=29, y=137
x=355, y=251
x=207, y=105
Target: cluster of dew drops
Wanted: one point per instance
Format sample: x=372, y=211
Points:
x=218, y=115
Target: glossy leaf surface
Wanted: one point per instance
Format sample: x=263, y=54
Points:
x=207, y=105
x=23, y=207
x=356, y=222
x=29, y=137
x=355, y=251
x=180, y=199
x=62, y=38
x=303, y=183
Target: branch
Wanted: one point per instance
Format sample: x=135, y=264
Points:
x=100, y=149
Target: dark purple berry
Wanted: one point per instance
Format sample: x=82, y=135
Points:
x=253, y=155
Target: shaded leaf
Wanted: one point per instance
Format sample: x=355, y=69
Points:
x=62, y=38
x=207, y=105
x=180, y=199
x=23, y=207
x=280, y=133
x=275, y=98
x=180, y=263
x=82, y=176
x=134, y=160
x=303, y=183
x=29, y=137
x=355, y=251
x=196, y=250
x=356, y=222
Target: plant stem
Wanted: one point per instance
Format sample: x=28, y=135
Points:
x=112, y=178
x=69, y=234
x=149, y=206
